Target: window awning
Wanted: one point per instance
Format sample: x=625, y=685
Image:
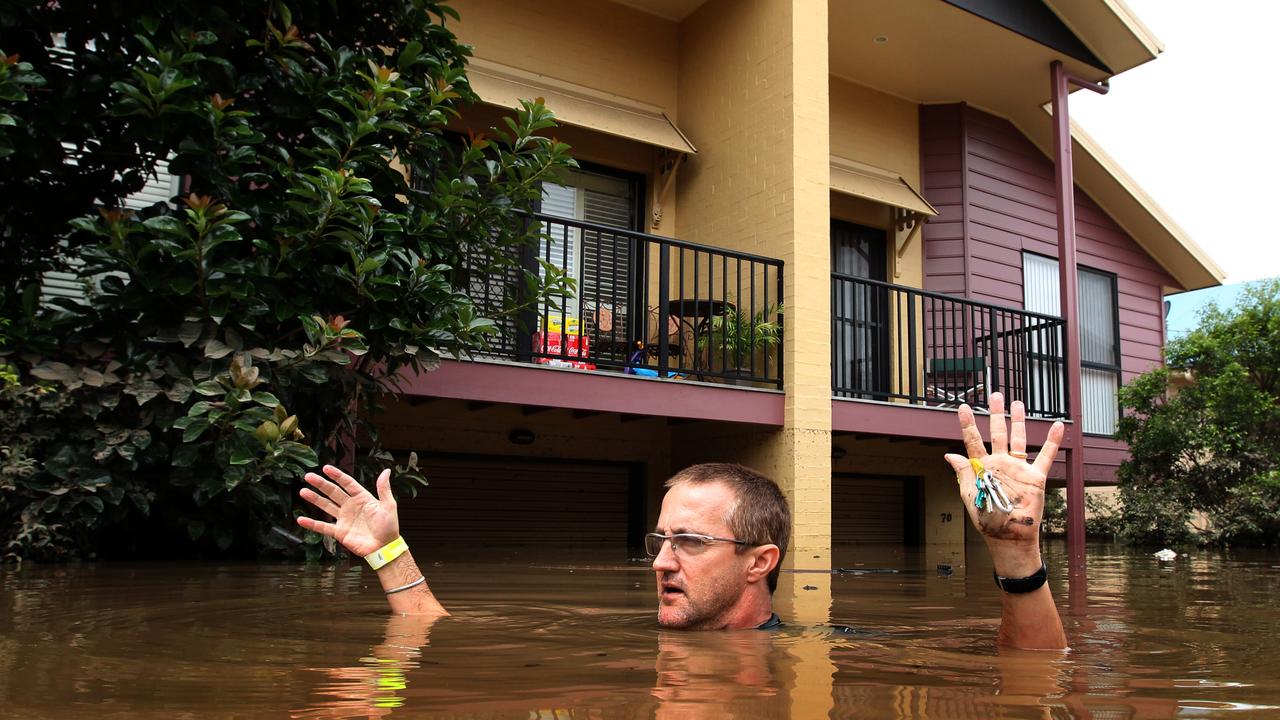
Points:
x=878, y=185
x=505, y=86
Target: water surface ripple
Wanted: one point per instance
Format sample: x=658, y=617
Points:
x=537, y=635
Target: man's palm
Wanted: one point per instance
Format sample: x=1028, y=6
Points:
x=1023, y=482
x=362, y=523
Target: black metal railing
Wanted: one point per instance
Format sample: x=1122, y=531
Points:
x=642, y=304
x=896, y=343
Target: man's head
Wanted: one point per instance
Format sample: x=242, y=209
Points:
x=720, y=583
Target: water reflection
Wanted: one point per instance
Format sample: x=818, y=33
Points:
x=378, y=684
x=532, y=638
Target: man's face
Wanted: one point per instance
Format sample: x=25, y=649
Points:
x=697, y=591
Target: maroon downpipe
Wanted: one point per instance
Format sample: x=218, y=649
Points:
x=1064, y=183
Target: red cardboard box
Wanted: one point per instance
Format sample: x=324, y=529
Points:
x=567, y=350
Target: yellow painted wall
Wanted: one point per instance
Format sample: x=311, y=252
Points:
x=874, y=128
x=753, y=98
x=600, y=45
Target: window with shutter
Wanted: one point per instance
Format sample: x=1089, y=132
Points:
x=599, y=261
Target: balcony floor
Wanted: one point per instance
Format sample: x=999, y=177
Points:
x=886, y=419
x=594, y=391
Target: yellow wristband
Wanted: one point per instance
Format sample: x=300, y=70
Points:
x=387, y=553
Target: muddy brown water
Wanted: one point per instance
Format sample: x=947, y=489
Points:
x=544, y=635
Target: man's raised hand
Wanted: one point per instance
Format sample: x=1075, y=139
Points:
x=362, y=523
x=1023, y=481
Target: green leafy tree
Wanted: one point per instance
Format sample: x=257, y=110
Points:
x=1210, y=444
x=240, y=335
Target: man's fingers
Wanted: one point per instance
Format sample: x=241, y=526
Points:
x=316, y=526
x=384, y=488
x=969, y=431
x=1018, y=428
x=1048, y=451
x=999, y=436
x=961, y=465
x=321, y=502
x=345, y=481
x=331, y=491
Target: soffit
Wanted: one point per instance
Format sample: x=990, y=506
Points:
x=1110, y=29
x=938, y=53
x=505, y=86
x=876, y=184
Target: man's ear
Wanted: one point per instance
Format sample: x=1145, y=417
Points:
x=764, y=560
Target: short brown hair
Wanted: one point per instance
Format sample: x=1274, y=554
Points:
x=760, y=514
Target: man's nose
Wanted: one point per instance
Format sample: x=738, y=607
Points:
x=665, y=560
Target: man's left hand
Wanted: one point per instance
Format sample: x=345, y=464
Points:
x=1014, y=536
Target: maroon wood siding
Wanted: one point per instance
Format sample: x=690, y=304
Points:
x=994, y=190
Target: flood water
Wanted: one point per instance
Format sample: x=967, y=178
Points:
x=542, y=635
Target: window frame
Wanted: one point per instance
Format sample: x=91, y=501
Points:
x=1115, y=368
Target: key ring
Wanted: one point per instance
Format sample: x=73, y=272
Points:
x=990, y=490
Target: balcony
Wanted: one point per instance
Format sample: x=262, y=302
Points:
x=912, y=347
x=643, y=305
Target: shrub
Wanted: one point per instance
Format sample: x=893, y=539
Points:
x=243, y=336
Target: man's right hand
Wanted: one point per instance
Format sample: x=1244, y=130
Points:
x=364, y=523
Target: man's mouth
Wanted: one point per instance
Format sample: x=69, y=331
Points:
x=670, y=592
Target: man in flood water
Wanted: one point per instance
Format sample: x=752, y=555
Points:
x=723, y=530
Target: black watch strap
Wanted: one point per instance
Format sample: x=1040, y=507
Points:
x=1018, y=586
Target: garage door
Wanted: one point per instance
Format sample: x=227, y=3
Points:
x=511, y=501
x=874, y=509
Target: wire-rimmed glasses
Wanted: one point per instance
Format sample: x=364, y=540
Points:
x=684, y=544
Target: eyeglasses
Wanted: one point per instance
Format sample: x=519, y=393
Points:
x=686, y=544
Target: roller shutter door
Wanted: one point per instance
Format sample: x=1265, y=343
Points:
x=867, y=509
x=510, y=501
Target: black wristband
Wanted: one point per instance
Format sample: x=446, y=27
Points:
x=1018, y=586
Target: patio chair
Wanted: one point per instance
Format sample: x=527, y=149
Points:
x=953, y=381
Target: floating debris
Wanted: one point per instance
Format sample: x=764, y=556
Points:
x=1166, y=555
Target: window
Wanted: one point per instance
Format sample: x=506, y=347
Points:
x=592, y=197
x=600, y=262
x=1099, y=339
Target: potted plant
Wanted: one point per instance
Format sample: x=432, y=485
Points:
x=738, y=336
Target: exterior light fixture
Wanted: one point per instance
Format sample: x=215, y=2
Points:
x=521, y=436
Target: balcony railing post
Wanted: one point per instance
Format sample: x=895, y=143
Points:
x=995, y=354
x=782, y=338
x=527, y=318
x=912, y=361
x=664, y=312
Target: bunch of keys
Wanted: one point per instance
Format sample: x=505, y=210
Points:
x=990, y=491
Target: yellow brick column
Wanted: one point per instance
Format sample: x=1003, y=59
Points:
x=805, y=462
x=754, y=99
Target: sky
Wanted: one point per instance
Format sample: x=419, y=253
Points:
x=1197, y=127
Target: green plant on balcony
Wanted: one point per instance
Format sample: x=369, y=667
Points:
x=738, y=335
